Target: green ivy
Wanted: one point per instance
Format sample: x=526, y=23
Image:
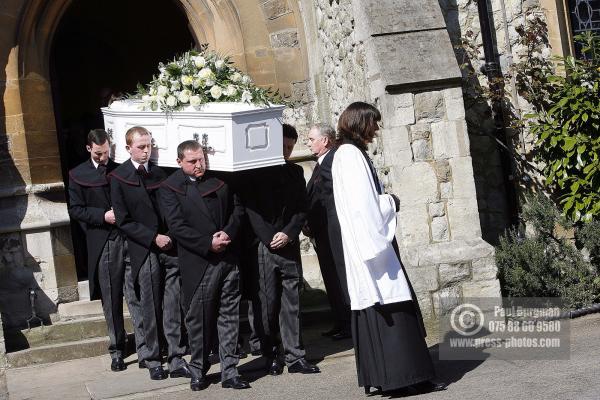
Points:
x=566, y=123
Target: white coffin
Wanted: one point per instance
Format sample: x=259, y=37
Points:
x=238, y=136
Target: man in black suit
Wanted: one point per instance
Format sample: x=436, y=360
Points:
x=89, y=204
x=321, y=141
x=204, y=218
x=275, y=202
x=133, y=187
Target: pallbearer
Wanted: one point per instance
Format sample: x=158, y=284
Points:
x=133, y=191
x=89, y=204
x=204, y=218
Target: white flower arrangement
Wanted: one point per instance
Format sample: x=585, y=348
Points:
x=199, y=77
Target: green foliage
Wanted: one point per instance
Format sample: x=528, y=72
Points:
x=547, y=265
x=566, y=123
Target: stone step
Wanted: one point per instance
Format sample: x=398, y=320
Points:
x=58, y=352
x=61, y=332
x=82, y=309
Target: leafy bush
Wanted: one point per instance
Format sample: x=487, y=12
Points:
x=566, y=123
x=544, y=264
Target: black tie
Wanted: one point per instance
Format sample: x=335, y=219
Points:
x=316, y=177
x=102, y=169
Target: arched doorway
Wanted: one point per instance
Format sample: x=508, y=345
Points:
x=103, y=48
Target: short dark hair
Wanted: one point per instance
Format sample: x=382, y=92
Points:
x=185, y=146
x=97, y=136
x=358, y=123
x=290, y=132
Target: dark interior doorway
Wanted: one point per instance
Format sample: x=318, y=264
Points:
x=103, y=48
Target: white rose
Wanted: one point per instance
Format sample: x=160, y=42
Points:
x=205, y=73
x=216, y=92
x=152, y=91
x=195, y=101
x=184, y=96
x=246, y=80
x=175, y=85
x=197, y=82
x=199, y=61
x=236, y=77
x=209, y=82
x=219, y=64
x=231, y=90
x=171, y=101
x=186, y=80
x=162, y=90
x=246, y=96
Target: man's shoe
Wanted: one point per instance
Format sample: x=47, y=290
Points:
x=257, y=352
x=118, y=364
x=235, y=383
x=197, y=384
x=181, y=372
x=276, y=368
x=303, y=367
x=341, y=335
x=429, y=386
x=141, y=364
x=157, y=373
x=241, y=353
x=331, y=332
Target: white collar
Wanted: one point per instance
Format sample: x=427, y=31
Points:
x=95, y=163
x=137, y=165
x=322, y=156
x=192, y=178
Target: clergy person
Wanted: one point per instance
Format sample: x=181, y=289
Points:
x=204, y=218
x=387, y=327
x=275, y=203
x=323, y=228
x=89, y=204
x=133, y=192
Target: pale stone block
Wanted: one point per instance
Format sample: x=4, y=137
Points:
x=455, y=251
x=424, y=279
x=445, y=141
x=463, y=217
x=453, y=273
x=413, y=225
x=398, y=110
x=408, y=255
x=446, y=299
x=416, y=184
x=311, y=271
x=429, y=106
x=489, y=288
x=39, y=245
x=463, y=184
x=421, y=130
x=426, y=305
x=437, y=209
x=446, y=190
x=421, y=149
x=484, y=269
x=455, y=106
x=439, y=229
x=285, y=39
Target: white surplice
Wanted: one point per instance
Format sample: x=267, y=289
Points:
x=368, y=224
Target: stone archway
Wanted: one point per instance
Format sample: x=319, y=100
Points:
x=264, y=38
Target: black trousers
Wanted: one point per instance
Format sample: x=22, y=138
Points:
x=216, y=302
x=172, y=313
x=340, y=308
x=144, y=298
x=279, y=284
x=111, y=273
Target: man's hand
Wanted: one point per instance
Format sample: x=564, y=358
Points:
x=219, y=242
x=280, y=239
x=109, y=217
x=163, y=242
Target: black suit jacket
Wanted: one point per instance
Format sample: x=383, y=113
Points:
x=192, y=222
x=275, y=201
x=136, y=209
x=89, y=200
